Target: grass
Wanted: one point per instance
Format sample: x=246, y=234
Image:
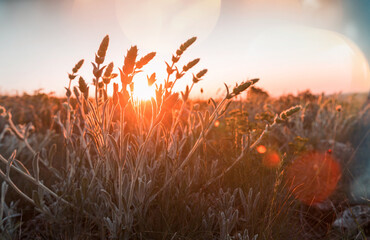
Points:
x=102, y=167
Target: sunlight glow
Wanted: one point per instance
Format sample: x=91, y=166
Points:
x=261, y=149
x=313, y=177
x=142, y=91
x=301, y=57
x=271, y=159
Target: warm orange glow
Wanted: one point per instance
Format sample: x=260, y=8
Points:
x=313, y=177
x=217, y=123
x=142, y=91
x=261, y=149
x=307, y=58
x=271, y=159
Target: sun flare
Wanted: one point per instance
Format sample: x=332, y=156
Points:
x=142, y=91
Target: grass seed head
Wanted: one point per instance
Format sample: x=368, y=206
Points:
x=244, y=86
x=187, y=44
x=78, y=66
x=130, y=60
x=190, y=64
x=145, y=60
x=103, y=47
x=68, y=92
x=108, y=73
x=201, y=73
x=75, y=91
x=198, y=77
x=82, y=85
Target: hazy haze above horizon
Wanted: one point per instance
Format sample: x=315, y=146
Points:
x=291, y=45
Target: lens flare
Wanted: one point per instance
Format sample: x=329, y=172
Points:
x=271, y=159
x=217, y=123
x=313, y=177
x=261, y=149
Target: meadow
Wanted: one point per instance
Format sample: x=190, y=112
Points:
x=240, y=166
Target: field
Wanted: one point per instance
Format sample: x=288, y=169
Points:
x=241, y=166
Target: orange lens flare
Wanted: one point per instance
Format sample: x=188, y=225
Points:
x=271, y=159
x=313, y=177
x=261, y=149
x=217, y=123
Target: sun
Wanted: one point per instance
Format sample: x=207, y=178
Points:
x=142, y=91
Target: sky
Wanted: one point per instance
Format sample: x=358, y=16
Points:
x=291, y=45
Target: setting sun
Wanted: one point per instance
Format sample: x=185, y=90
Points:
x=142, y=91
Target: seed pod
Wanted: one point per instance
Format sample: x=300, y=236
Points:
x=240, y=88
x=109, y=70
x=201, y=73
x=190, y=64
x=292, y=110
x=145, y=60
x=99, y=60
x=108, y=73
x=130, y=60
x=78, y=66
x=243, y=86
x=187, y=44
x=82, y=85
x=103, y=47
x=68, y=92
